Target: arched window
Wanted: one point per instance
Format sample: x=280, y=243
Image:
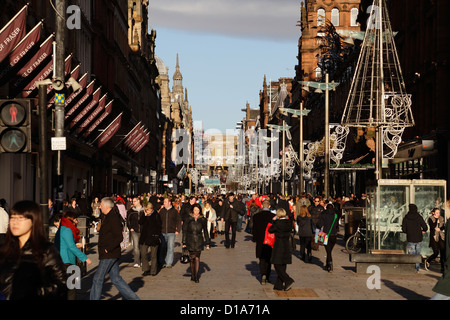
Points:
x=321, y=17
x=353, y=16
x=335, y=16
x=318, y=73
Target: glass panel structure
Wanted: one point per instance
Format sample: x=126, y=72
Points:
x=388, y=205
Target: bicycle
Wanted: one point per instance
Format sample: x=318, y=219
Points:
x=356, y=242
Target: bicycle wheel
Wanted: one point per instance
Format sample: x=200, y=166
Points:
x=352, y=244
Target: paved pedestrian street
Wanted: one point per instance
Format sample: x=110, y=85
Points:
x=233, y=275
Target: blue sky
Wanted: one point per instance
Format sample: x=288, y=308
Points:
x=225, y=48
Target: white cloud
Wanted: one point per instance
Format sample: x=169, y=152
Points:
x=270, y=19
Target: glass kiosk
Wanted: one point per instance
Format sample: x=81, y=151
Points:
x=388, y=204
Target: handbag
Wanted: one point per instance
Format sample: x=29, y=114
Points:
x=185, y=256
x=322, y=237
x=269, y=238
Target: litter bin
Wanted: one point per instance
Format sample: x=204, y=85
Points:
x=83, y=225
x=352, y=218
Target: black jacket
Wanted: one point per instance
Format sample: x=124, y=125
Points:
x=413, y=225
x=232, y=213
x=305, y=226
x=24, y=280
x=133, y=216
x=150, y=229
x=260, y=221
x=282, y=249
x=326, y=221
x=195, y=233
x=110, y=235
x=170, y=219
x=315, y=212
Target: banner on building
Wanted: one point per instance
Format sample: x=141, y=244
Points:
x=88, y=108
x=89, y=91
x=132, y=134
x=12, y=33
x=143, y=143
x=108, y=110
x=93, y=115
x=109, y=132
x=27, y=43
x=43, y=53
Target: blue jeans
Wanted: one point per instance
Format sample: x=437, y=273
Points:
x=415, y=248
x=110, y=266
x=167, y=248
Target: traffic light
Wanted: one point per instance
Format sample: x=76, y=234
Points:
x=15, y=125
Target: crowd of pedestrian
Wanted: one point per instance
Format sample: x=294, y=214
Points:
x=149, y=224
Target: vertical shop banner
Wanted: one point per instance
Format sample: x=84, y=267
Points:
x=43, y=53
x=109, y=132
x=138, y=138
x=88, y=108
x=12, y=33
x=20, y=51
x=132, y=134
x=89, y=91
x=143, y=144
x=108, y=110
x=93, y=115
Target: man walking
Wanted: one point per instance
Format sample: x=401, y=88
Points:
x=171, y=226
x=414, y=226
x=109, y=239
x=230, y=216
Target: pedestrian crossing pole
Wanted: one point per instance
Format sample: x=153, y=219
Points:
x=60, y=91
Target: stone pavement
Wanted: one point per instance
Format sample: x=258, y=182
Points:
x=233, y=275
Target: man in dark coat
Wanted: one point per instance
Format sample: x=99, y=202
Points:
x=151, y=226
x=263, y=251
x=414, y=226
x=109, y=239
x=231, y=211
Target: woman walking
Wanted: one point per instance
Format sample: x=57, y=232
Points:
x=30, y=266
x=437, y=238
x=195, y=235
x=66, y=240
x=210, y=214
x=305, y=233
x=328, y=221
x=281, y=252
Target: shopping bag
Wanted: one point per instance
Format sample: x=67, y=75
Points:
x=126, y=239
x=269, y=238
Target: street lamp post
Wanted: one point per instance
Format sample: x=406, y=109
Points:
x=281, y=128
x=324, y=86
x=299, y=113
